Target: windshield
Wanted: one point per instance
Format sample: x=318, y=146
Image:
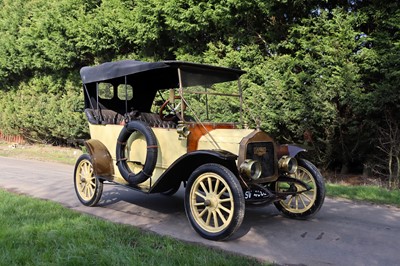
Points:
x=216, y=103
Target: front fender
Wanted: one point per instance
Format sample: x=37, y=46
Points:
x=290, y=150
x=183, y=167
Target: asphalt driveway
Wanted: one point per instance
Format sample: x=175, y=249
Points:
x=342, y=233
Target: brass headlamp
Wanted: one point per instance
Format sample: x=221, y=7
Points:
x=287, y=164
x=251, y=169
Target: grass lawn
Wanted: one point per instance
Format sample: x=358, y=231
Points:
x=40, y=152
x=37, y=232
x=373, y=194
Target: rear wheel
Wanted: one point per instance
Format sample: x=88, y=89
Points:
x=88, y=188
x=303, y=203
x=214, y=202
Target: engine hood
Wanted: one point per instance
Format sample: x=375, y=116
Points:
x=225, y=139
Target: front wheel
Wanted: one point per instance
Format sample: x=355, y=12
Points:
x=302, y=202
x=88, y=188
x=214, y=202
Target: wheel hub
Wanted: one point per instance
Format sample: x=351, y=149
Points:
x=211, y=201
x=85, y=178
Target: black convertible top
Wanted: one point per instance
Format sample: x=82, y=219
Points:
x=145, y=79
x=161, y=75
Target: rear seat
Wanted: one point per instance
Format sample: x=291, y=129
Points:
x=105, y=116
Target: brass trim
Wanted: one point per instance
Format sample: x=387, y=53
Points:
x=254, y=137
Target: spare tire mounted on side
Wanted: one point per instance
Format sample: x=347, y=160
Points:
x=151, y=156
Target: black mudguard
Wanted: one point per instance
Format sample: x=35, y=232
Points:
x=291, y=150
x=183, y=167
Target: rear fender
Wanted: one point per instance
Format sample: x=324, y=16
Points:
x=101, y=158
x=183, y=167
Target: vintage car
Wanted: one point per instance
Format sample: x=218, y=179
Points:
x=157, y=125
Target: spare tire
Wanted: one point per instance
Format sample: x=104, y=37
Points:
x=151, y=156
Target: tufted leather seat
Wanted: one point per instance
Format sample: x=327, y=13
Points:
x=103, y=116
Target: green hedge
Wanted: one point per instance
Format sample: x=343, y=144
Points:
x=329, y=68
x=49, y=117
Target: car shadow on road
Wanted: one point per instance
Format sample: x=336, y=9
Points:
x=128, y=200
x=113, y=195
x=254, y=216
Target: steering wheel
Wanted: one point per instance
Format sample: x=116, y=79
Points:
x=172, y=113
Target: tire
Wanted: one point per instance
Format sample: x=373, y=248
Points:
x=151, y=156
x=306, y=204
x=214, y=202
x=88, y=188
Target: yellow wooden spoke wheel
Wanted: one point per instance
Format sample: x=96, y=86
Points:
x=87, y=187
x=302, y=201
x=214, y=201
